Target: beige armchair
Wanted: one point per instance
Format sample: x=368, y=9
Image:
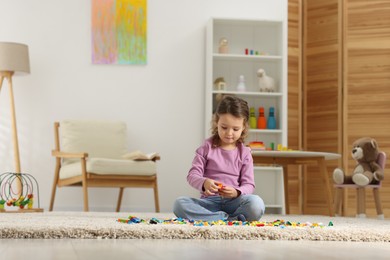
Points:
x=92, y=154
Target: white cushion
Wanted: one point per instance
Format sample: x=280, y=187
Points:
x=100, y=139
x=109, y=166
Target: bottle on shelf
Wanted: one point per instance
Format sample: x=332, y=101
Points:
x=261, y=122
x=271, y=122
x=241, y=84
x=223, y=46
x=252, y=118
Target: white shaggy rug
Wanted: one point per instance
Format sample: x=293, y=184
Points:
x=99, y=225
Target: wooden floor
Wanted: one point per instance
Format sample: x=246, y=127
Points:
x=96, y=249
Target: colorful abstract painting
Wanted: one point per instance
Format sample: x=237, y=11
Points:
x=119, y=30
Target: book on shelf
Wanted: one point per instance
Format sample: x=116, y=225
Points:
x=140, y=156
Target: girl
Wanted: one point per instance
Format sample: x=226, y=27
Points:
x=222, y=170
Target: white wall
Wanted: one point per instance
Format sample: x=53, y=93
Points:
x=162, y=102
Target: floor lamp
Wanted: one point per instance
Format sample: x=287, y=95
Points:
x=14, y=60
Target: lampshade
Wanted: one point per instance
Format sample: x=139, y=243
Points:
x=14, y=57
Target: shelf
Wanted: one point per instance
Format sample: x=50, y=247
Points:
x=274, y=206
x=246, y=22
x=249, y=94
x=267, y=168
x=238, y=57
x=266, y=131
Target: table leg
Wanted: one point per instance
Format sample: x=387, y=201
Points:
x=285, y=184
x=304, y=194
x=300, y=190
x=322, y=166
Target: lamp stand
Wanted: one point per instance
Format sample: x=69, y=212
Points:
x=19, y=175
x=8, y=75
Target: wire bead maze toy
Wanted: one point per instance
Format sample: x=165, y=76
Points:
x=17, y=189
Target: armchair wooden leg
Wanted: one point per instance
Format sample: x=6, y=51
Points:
x=156, y=201
x=361, y=203
x=118, y=205
x=53, y=195
x=85, y=193
x=54, y=188
x=85, y=185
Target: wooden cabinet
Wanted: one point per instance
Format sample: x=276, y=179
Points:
x=249, y=45
x=294, y=79
x=346, y=87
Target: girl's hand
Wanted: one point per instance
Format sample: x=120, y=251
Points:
x=210, y=187
x=228, y=192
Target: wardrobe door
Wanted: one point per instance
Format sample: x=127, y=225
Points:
x=367, y=85
x=322, y=86
x=295, y=101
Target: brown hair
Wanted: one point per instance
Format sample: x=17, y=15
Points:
x=236, y=107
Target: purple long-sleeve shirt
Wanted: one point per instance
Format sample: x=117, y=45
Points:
x=230, y=167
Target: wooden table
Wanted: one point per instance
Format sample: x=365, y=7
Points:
x=285, y=158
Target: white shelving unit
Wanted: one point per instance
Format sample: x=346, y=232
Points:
x=269, y=39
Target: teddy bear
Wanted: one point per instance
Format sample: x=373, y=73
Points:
x=266, y=83
x=365, y=152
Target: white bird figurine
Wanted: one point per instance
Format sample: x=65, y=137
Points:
x=266, y=83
